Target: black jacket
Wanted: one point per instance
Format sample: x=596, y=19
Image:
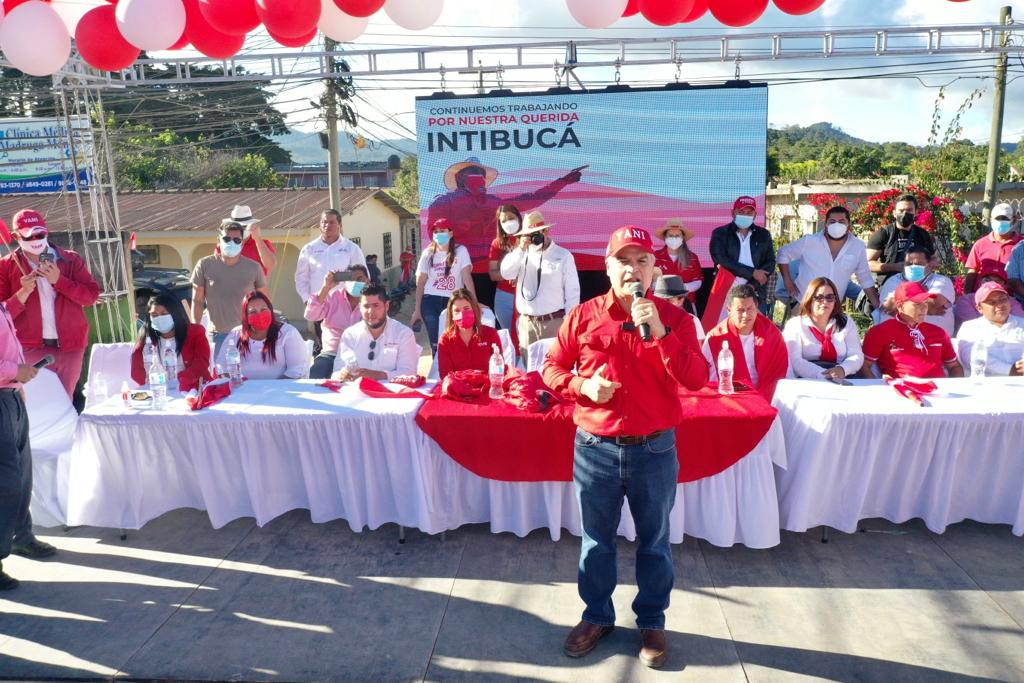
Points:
x=725, y=252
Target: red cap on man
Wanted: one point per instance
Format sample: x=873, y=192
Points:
x=27, y=222
x=629, y=236
x=744, y=203
x=912, y=291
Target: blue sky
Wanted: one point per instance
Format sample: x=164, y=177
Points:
x=873, y=109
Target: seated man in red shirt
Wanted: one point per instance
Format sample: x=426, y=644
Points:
x=467, y=344
x=759, y=353
x=907, y=346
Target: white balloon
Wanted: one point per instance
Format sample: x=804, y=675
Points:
x=596, y=13
x=34, y=40
x=339, y=26
x=72, y=11
x=151, y=24
x=415, y=15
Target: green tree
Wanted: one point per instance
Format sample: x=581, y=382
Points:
x=406, y=189
x=250, y=170
x=848, y=161
x=771, y=167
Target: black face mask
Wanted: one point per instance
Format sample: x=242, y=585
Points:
x=537, y=238
x=907, y=219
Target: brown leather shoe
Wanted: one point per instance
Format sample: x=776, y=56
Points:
x=583, y=638
x=653, y=647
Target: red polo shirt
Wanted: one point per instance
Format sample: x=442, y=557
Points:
x=496, y=253
x=250, y=251
x=989, y=253
x=892, y=346
x=452, y=354
x=651, y=373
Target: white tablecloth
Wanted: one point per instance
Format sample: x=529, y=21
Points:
x=864, y=451
x=275, y=446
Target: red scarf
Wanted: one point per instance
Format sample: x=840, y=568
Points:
x=771, y=359
x=828, y=349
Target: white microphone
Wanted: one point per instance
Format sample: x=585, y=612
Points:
x=637, y=290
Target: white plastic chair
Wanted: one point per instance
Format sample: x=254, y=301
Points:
x=537, y=352
x=114, y=363
x=52, y=423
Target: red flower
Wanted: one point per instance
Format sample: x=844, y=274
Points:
x=926, y=220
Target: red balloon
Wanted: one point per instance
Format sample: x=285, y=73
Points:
x=631, y=8
x=737, y=12
x=288, y=18
x=665, y=12
x=205, y=38
x=230, y=16
x=294, y=42
x=11, y=4
x=802, y=6
x=100, y=43
x=182, y=42
x=359, y=8
x=700, y=8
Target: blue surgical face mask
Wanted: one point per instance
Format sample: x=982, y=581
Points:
x=354, y=287
x=230, y=249
x=913, y=273
x=743, y=222
x=1002, y=227
x=442, y=238
x=162, y=323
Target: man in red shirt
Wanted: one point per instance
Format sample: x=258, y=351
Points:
x=907, y=346
x=46, y=290
x=627, y=407
x=992, y=252
x=254, y=246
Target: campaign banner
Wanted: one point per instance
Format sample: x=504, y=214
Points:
x=592, y=162
x=35, y=155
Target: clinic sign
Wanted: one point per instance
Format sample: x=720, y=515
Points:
x=35, y=155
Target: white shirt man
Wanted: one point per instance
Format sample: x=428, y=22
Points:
x=816, y=260
x=1002, y=334
x=395, y=352
x=546, y=281
x=329, y=252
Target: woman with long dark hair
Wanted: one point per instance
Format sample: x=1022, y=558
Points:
x=467, y=344
x=509, y=222
x=444, y=267
x=169, y=326
x=822, y=341
x=269, y=348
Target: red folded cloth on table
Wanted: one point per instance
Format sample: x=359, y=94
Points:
x=332, y=384
x=375, y=389
x=411, y=381
x=915, y=390
x=466, y=386
x=214, y=392
x=526, y=391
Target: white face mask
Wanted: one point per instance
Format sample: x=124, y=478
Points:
x=162, y=323
x=673, y=242
x=510, y=227
x=835, y=230
x=36, y=247
x=230, y=249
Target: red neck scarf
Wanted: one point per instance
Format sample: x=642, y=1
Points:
x=828, y=349
x=771, y=358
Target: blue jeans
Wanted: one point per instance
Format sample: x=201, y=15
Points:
x=15, y=473
x=504, y=307
x=430, y=310
x=604, y=473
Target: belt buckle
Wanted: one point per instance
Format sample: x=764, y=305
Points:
x=629, y=440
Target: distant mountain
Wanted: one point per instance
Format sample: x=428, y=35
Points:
x=815, y=134
x=305, y=148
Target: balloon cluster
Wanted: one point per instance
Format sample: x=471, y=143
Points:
x=603, y=13
x=35, y=35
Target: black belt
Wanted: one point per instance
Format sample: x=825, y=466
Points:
x=632, y=440
x=10, y=389
x=560, y=313
x=51, y=343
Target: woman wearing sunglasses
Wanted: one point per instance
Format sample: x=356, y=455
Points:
x=269, y=348
x=822, y=341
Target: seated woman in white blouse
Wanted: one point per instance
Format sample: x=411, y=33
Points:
x=269, y=348
x=822, y=341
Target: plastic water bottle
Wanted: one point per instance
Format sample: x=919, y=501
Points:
x=148, y=351
x=170, y=358
x=158, y=384
x=979, y=361
x=496, y=371
x=234, y=362
x=725, y=370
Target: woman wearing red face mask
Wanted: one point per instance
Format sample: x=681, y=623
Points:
x=269, y=348
x=467, y=344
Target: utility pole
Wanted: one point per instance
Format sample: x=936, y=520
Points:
x=996, y=137
x=331, y=118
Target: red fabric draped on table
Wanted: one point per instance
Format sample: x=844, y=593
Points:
x=496, y=441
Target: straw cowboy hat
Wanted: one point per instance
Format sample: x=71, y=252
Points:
x=449, y=176
x=533, y=222
x=242, y=215
x=674, y=224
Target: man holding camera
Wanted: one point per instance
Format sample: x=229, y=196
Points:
x=46, y=290
x=547, y=286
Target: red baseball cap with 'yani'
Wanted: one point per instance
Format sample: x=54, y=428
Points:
x=629, y=236
x=28, y=221
x=912, y=291
x=744, y=203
